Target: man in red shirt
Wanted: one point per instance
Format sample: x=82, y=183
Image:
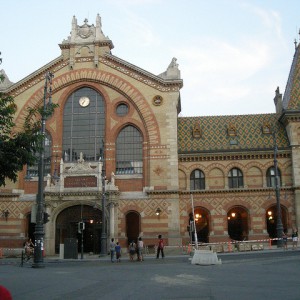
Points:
x=160, y=247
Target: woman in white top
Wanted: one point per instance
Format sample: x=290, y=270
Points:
x=140, y=247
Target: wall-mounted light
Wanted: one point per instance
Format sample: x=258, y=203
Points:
x=158, y=211
x=233, y=214
x=5, y=214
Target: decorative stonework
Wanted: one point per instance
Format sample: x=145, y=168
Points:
x=154, y=82
x=157, y=100
x=266, y=128
x=197, y=131
x=231, y=129
x=158, y=170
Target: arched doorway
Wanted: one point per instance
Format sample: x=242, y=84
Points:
x=67, y=227
x=271, y=220
x=202, y=224
x=237, y=221
x=132, y=226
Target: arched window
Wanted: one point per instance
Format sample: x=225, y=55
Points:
x=83, y=129
x=197, y=180
x=129, y=151
x=32, y=171
x=271, y=178
x=235, y=178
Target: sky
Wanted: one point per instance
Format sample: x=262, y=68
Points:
x=232, y=54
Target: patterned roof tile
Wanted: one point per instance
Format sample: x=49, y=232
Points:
x=248, y=134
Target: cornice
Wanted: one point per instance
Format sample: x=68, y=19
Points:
x=131, y=70
x=289, y=116
x=196, y=157
x=108, y=43
x=81, y=193
x=36, y=77
x=160, y=192
x=236, y=191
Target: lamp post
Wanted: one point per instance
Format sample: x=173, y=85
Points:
x=279, y=226
x=38, y=261
x=103, y=229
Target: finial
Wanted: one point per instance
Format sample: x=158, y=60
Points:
x=295, y=42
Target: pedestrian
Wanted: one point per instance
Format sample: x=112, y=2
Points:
x=112, y=250
x=132, y=250
x=140, y=248
x=285, y=240
x=29, y=249
x=295, y=238
x=118, y=252
x=160, y=247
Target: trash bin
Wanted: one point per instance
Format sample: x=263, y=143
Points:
x=70, y=248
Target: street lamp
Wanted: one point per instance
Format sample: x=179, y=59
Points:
x=39, y=233
x=103, y=229
x=279, y=226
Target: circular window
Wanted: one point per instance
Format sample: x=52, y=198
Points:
x=122, y=110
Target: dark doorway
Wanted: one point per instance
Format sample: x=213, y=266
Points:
x=202, y=225
x=67, y=227
x=132, y=226
x=237, y=220
x=271, y=220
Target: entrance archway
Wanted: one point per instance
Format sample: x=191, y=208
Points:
x=202, y=224
x=67, y=227
x=132, y=226
x=237, y=221
x=271, y=220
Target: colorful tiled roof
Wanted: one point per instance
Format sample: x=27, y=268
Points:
x=226, y=133
x=291, y=98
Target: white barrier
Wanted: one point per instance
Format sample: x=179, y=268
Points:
x=205, y=257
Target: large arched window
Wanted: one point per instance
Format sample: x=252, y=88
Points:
x=235, y=178
x=83, y=130
x=197, y=180
x=32, y=171
x=129, y=151
x=271, y=178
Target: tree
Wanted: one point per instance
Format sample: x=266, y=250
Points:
x=18, y=147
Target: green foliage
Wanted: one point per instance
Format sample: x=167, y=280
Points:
x=18, y=148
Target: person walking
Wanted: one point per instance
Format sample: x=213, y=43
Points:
x=295, y=238
x=140, y=248
x=160, y=247
x=112, y=248
x=29, y=249
x=118, y=252
x=285, y=240
x=132, y=250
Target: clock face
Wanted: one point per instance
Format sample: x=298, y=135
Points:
x=84, y=101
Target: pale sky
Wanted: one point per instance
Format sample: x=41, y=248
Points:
x=232, y=54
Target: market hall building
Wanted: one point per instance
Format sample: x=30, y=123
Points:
x=117, y=119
